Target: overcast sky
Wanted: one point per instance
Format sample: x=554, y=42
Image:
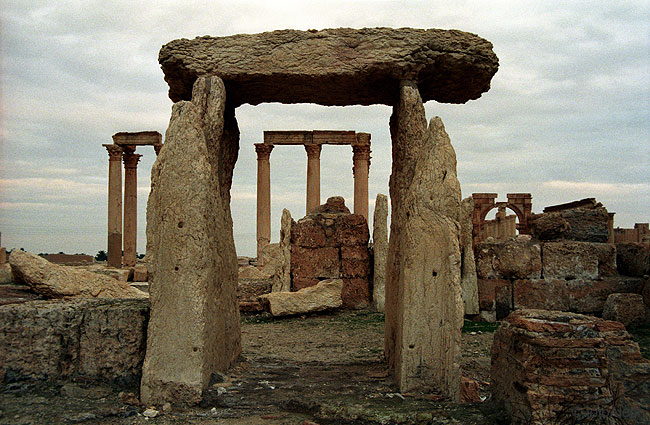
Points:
x=567, y=117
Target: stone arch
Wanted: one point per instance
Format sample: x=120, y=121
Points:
x=519, y=203
x=193, y=330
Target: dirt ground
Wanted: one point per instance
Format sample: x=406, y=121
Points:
x=323, y=369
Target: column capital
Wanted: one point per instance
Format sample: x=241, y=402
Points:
x=313, y=151
x=361, y=152
x=131, y=160
x=114, y=152
x=363, y=139
x=263, y=150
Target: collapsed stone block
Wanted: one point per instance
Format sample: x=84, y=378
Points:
x=578, y=260
x=589, y=296
x=633, y=259
x=540, y=293
x=554, y=367
x=249, y=291
x=321, y=263
x=629, y=309
x=308, y=233
x=325, y=295
x=518, y=258
x=97, y=339
x=140, y=274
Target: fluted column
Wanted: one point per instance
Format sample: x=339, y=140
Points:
x=130, y=205
x=263, y=195
x=313, y=177
x=114, y=205
x=360, y=169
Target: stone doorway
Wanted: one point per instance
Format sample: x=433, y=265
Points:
x=194, y=326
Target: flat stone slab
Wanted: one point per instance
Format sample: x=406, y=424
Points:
x=340, y=66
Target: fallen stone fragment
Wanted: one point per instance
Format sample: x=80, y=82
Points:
x=629, y=309
x=5, y=274
x=54, y=281
x=325, y=295
x=469, y=391
x=150, y=413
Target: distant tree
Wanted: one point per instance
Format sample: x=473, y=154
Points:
x=101, y=256
x=61, y=252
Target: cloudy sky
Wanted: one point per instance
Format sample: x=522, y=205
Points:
x=568, y=115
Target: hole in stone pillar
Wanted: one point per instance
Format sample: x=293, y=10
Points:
x=180, y=224
x=434, y=273
x=195, y=349
x=411, y=346
x=176, y=268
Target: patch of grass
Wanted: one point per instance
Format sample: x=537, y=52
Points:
x=470, y=326
x=641, y=335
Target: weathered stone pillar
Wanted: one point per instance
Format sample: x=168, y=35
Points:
x=313, y=176
x=468, y=277
x=424, y=308
x=130, y=205
x=194, y=325
x=263, y=195
x=380, y=247
x=360, y=170
x=114, y=205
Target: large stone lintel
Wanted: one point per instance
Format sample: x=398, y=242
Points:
x=315, y=137
x=342, y=66
x=140, y=138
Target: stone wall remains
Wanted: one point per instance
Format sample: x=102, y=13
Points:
x=331, y=243
x=97, y=339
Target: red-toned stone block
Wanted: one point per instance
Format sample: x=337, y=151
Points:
x=315, y=262
x=543, y=294
x=491, y=290
x=351, y=229
x=308, y=233
x=589, y=296
x=355, y=261
x=299, y=283
x=355, y=292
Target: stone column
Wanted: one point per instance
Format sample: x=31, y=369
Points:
x=360, y=169
x=313, y=177
x=380, y=245
x=130, y=205
x=263, y=196
x=114, y=205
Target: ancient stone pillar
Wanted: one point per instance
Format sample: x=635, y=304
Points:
x=360, y=169
x=114, y=205
x=313, y=177
x=194, y=325
x=424, y=308
x=263, y=196
x=468, y=277
x=130, y=205
x=380, y=247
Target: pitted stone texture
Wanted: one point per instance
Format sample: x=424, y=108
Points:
x=351, y=230
x=340, y=66
x=194, y=326
x=249, y=291
x=578, y=260
x=589, y=296
x=326, y=295
x=587, y=224
x=282, y=278
x=355, y=292
x=333, y=205
x=55, y=281
x=550, y=226
x=633, y=259
x=542, y=294
x=553, y=367
x=380, y=250
x=516, y=258
x=96, y=339
x=629, y=309
x=317, y=263
x=424, y=306
x=468, y=276
x=5, y=274
x=355, y=261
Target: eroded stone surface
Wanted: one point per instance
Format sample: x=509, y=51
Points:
x=516, y=258
x=468, y=277
x=554, y=367
x=325, y=295
x=282, y=277
x=629, y=309
x=380, y=248
x=424, y=307
x=633, y=259
x=578, y=260
x=55, y=281
x=97, y=339
x=341, y=66
x=194, y=326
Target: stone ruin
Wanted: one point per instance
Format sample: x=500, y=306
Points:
x=194, y=327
